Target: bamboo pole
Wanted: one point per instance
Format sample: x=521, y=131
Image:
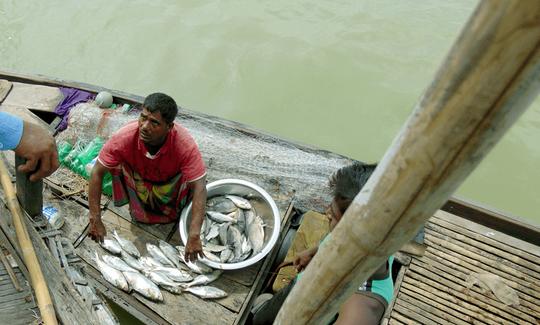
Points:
x=44, y=301
x=490, y=76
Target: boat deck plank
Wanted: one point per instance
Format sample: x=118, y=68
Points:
x=438, y=288
x=16, y=307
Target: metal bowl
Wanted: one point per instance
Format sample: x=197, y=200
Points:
x=263, y=204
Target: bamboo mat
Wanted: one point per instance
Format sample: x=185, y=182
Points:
x=436, y=288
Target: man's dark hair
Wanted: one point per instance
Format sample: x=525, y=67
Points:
x=162, y=103
x=347, y=181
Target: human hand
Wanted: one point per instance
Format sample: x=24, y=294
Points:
x=193, y=248
x=37, y=146
x=302, y=260
x=97, y=230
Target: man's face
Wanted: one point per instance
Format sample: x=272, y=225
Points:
x=334, y=214
x=153, y=128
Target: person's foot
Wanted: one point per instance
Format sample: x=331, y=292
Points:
x=260, y=301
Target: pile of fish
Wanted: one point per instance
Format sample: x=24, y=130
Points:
x=128, y=270
x=231, y=231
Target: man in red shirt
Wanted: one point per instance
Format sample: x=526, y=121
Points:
x=156, y=167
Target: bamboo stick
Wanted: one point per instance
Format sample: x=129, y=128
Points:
x=490, y=76
x=45, y=304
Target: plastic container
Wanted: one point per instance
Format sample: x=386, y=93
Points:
x=53, y=216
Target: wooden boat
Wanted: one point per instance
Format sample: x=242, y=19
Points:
x=461, y=240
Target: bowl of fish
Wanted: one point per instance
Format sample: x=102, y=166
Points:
x=241, y=224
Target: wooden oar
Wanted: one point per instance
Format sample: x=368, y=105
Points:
x=45, y=304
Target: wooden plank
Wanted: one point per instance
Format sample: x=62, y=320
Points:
x=130, y=231
x=489, y=252
x=438, y=307
x=463, y=266
x=268, y=262
x=469, y=304
x=36, y=97
x=397, y=286
x=457, y=286
x=484, y=264
x=69, y=306
x=418, y=311
x=488, y=236
x=402, y=318
x=483, y=217
x=5, y=88
x=127, y=302
x=8, y=239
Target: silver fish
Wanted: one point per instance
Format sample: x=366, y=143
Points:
x=143, y=285
x=174, y=274
x=220, y=204
x=240, y=220
x=206, y=292
x=256, y=234
x=131, y=261
x=160, y=279
x=235, y=239
x=246, y=246
x=170, y=252
x=226, y=255
x=239, y=201
x=210, y=256
x=117, y=263
x=223, y=233
x=112, y=275
x=196, y=267
x=127, y=245
x=213, y=233
x=213, y=247
x=220, y=217
x=111, y=246
x=249, y=217
x=158, y=255
x=203, y=279
x=149, y=263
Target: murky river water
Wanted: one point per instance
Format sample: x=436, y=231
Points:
x=341, y=75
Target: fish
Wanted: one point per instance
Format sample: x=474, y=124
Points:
x=213, y=233
x=223, y=233
x=210, y=256
x=220, y=204
x=127, y=245
x=246, y=246
x=203, y=279
x=170, y=252
x=220, y=217
x=234, y=238
x=131, y=261
x=196, y=267
x=226, y=255
x=143, y=285
x=213, y=247
x=160, y=279
x=249, y=217
x=149, y=263
x=206, y=292
x=240, y=219
x=158, y=255
x=174, y=274
x=111, y=246
x=256, y=234
x=112, y=275
x=117, y=263
x=239, y=201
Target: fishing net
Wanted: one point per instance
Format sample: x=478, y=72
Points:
x=231, y=150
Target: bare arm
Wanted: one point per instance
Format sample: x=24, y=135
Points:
x=97, y=230
x=194, y=246
x=39, y=149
